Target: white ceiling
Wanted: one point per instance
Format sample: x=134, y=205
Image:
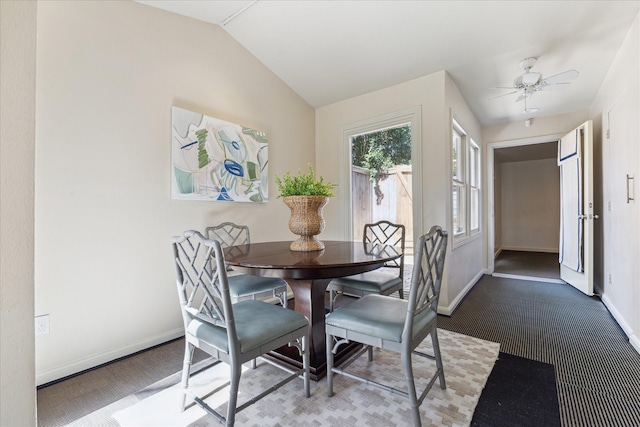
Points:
x=327, y=51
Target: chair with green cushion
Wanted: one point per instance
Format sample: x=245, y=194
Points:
x=246, y=286
x=231, y=333
x=377, y=281
x=395, y=324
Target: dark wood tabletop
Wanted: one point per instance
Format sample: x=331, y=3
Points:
x=337, y=259
x=308, y=275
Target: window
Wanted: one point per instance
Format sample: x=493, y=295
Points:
x=465, y=173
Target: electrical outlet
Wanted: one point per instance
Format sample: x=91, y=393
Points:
x=42, y=324
x=610, y=279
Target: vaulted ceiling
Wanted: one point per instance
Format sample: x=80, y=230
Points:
x=328, y=51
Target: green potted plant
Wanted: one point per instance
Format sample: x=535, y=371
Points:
x=305, y=195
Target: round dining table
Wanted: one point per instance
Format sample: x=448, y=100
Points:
x=308, y=274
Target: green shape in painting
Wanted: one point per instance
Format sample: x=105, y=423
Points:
x=253, y=170
x=259, y=136
x=203, y=157
x=184, y=181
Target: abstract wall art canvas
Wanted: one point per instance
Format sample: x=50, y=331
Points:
x=216, y=160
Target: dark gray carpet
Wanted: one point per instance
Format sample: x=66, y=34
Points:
x=597, y=370
x=519, y=392
x=533, y=264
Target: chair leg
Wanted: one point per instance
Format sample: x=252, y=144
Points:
x=401, y=292
x=282, y=296
x=306, y=361
x=436, y=353
x=329, y=365
x=411, y=387
x=186, y=370
x=332, y=297
x=234, y=382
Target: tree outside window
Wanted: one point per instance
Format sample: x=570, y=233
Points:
x=382, y=150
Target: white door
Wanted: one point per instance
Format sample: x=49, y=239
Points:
x=575, y=158
x=622, y=249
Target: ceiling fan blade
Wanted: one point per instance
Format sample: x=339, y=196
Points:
x=521, y=97
x=562, y=77
x=555, y=86
x=504, y=94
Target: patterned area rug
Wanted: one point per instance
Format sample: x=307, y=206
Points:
x=467, y=363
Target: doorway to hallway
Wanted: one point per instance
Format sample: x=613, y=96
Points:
x=524, y=204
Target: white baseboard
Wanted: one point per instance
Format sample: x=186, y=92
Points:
x=98, y=359
x=633, y=338
x=530, y=278
x=529, y=249
x=448, y=310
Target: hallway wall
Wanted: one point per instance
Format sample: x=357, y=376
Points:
x=530, y=206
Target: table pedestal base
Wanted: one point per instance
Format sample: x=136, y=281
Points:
x=309, y=301
x=290, y=358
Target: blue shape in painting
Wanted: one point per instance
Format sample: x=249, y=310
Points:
x=224, y=196
x=235, y=145
x=189, y=145
x=233, y=167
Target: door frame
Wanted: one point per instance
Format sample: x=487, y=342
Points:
x=491, y=147
x=410, y=115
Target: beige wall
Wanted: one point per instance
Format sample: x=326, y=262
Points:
x=426, y=92
x=469, y=258
x=616, y=108
x=530, y=205
x=108, y=74
x=17, y=149
x=438, y=98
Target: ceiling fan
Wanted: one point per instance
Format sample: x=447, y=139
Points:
x=530, y=82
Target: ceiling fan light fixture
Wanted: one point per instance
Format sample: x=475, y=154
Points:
x=530, y=79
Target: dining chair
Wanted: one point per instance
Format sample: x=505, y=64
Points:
x=378, y=281
x=395, y=324
x=246, y=286
x=231, y=333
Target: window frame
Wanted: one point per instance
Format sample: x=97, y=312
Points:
x=466, y=191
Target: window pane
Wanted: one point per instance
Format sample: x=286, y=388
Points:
x=474, y=209
x=456, y=155
x=473, y=165
x=459, y=217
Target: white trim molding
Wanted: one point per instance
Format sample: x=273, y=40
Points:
x=633, y=338
x=101, y=358
x=410, y=115
x=448, y=310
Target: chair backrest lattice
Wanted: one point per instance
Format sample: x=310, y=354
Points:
x=229, y=234
x=427, y=273
x=390, y=234
x=203, y=291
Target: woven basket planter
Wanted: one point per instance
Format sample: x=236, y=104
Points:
x=306, y=221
